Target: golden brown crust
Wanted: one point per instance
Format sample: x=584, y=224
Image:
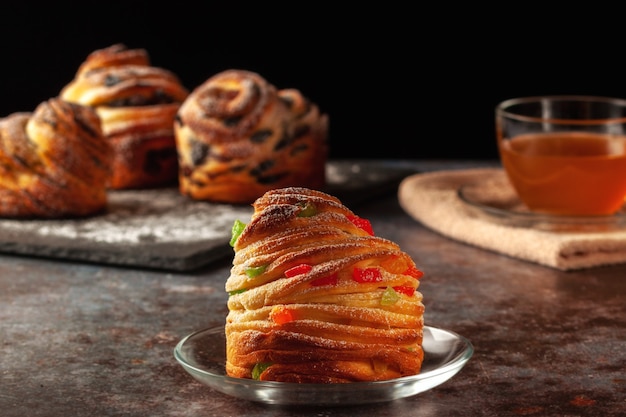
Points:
x=137, y=104
x=238, y=137
x=54, y=162
x=353, y=314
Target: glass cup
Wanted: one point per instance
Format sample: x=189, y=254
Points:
x=565, y=155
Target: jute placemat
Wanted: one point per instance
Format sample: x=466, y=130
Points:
x=432, y=198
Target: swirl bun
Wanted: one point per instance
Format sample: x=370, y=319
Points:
x=54, y=162
x=137, y=104
x=238, y=137
x=316, y=297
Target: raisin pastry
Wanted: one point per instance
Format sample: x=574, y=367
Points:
x=238, y=136
x=315, y=297
x=137, y=104
x=54, y=162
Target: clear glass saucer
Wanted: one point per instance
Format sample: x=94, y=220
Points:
x=203, y=355
x=498, y=203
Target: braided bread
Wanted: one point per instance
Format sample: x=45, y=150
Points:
x=137, y=104
x=314, y=296
x=238, y=136
x=54, y=162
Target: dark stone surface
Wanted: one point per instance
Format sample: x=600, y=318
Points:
x=97, y=340
x=162, y=229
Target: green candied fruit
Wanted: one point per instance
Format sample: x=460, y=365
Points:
x=255, y=271
x=236, y=291
x=238, y=227
x=259, y=368
x=390, y=297
x=308, y=209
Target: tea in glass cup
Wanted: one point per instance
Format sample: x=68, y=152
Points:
x=565, y=155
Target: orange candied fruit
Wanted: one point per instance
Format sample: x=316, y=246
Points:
x=282, y=315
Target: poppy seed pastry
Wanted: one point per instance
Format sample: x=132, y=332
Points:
x=137, y=104
x=316, y=297
x=54, y=162
x=238, y=136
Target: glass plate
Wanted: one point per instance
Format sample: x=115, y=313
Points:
x=496, y=201
x=203, y=355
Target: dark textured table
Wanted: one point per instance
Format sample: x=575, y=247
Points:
x=79, y=339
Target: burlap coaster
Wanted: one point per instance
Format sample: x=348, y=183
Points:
x=432, y=198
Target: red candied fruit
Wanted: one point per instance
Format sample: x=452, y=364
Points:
x=362, y=224
x=297, y=270
x=366, y=275
x=413, y=272
x=328, y=280
x=405, y=289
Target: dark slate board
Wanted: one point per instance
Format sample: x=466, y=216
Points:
x=162, y=229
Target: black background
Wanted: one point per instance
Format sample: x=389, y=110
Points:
x=411, y=81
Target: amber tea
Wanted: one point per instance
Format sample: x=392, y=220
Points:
x=565, y=155
x=567, y=173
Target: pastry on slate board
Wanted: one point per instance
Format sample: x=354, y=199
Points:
x=137, y=103
x=54, y=162
x=316, y=297
x=239, y=136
